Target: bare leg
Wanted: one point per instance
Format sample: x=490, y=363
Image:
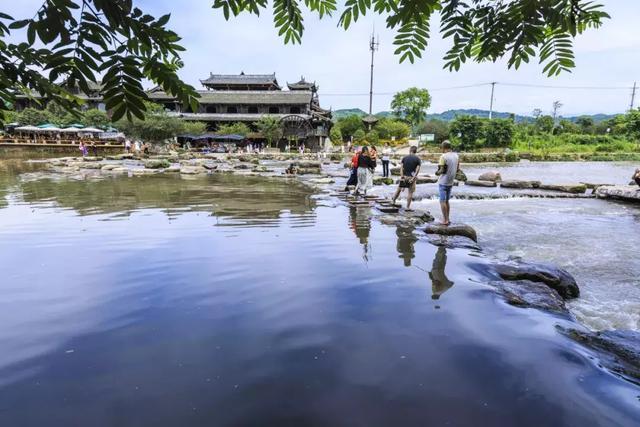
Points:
x=444, y=207
x=409, y=198
x=395, y=197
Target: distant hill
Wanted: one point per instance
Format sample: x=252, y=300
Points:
x=451, y=114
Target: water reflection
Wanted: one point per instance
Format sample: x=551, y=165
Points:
x=405, y=244
x=440, y=283
x=360, y=223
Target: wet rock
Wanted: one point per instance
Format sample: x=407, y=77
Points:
x=621, y=349
x=620, y=192
x=594, y=187
x=423, y=216
x=395, y=171
x=565, y=188
x=463, y=230
x=209, y=166
x=82, y=165
x=519, y=184
x=554, y=277
x=379, y=180
x=173, y=169
x=461, y=176
x=144, y=171
x=91, y=159
x=492, y=176
x=525, y=293
x=120, y=169
x=336, y=157
x=243, y=166
x=308, y=171
x=109, y=167
x=475, y=183
x=156, y=164
x=192, y=170
x=124, y=156
x=308, y=165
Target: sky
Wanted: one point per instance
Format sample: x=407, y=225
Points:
x=607, y=61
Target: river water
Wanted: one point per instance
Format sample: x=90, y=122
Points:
x=239, y=301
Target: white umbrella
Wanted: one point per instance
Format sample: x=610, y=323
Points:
x=91, y=130
x=70, y=129
x=51, y=129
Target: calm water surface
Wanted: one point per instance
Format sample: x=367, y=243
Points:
x=227, y=301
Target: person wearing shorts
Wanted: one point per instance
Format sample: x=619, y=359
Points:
x=448, y=166
x=409, y=171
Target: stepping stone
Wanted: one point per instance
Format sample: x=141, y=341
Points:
x=389, y=209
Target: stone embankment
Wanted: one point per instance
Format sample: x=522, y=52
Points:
x=626, y=193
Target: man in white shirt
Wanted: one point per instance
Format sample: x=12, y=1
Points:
x=386, y=153
x=448, y=166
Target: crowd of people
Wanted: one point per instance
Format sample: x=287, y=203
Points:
x=364, y=162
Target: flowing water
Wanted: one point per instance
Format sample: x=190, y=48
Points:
x=239, y=301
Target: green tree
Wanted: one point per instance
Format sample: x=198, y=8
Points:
x=237, y=128
x=545, y=124
x=566, y=126
x=389, y=129
x=155, y=127
x=193, y=128
x=34, y=117
x=372, y=137
x=468, y=130
x=95, y=118
x=335, y=135
x=411, y=105
x=632, y=120
x=586, y=124
x=349, y=125
x=359, y=136
x=439, y=128
x=76, y=40
x=499, y=133
x=271, y=129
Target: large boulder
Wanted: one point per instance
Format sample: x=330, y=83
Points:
x=426, y=179
x=479, y=183
x=620, y=192
x=192, y=170
x=492, y=176
x=520, y=184
x=395, y=171
x=565, y=188
x=463, y=230
x=554, y=277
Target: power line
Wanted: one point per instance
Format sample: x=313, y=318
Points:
x=539, y=86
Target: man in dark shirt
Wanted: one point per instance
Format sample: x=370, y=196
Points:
x=408, y=175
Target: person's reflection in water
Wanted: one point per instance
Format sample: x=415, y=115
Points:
x=440, y=283
x=405, y=244
x=360, y=223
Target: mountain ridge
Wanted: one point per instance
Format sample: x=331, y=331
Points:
x=451, y=114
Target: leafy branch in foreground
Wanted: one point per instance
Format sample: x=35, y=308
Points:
x=479, y=30
x=83, y=40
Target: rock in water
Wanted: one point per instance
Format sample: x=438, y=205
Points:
x=463, y=230
x=475, y=183
x=157, y=164
x=192, y=170
x=619, y=192
x=524, y=293
x=621, y=346
x=556, y=278
x=492, y=176
x=426, y=180
x=565, y=188
x=520, y=184
x=379, y=180
x=322, y=180
x=395, y=171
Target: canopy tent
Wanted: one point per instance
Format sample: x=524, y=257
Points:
x=91, y=130
x=219, y=137
x=51, y=128
x=47, y=126
x=28, y=128
x=70, y=129
x=76, y=125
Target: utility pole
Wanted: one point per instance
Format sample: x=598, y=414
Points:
x=373, y=46
x=633, y=96
x=493, y=86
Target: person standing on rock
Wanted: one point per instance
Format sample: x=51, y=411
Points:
x=353, y=173
x=365, y=165
x=409, y=170
x=448, y=167
x=386, y=152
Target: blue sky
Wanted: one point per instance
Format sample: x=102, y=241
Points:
x=339, y=61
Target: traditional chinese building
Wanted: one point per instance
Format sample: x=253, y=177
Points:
x=249, y=97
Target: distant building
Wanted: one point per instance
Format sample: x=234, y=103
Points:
x=229, y=98
x=249, y=97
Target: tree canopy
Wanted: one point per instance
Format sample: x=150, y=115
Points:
x=411, y=105
x=72, y=43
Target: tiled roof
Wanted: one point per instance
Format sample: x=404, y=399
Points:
x=297, y=97
x=240, y=79
x=222, y=117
